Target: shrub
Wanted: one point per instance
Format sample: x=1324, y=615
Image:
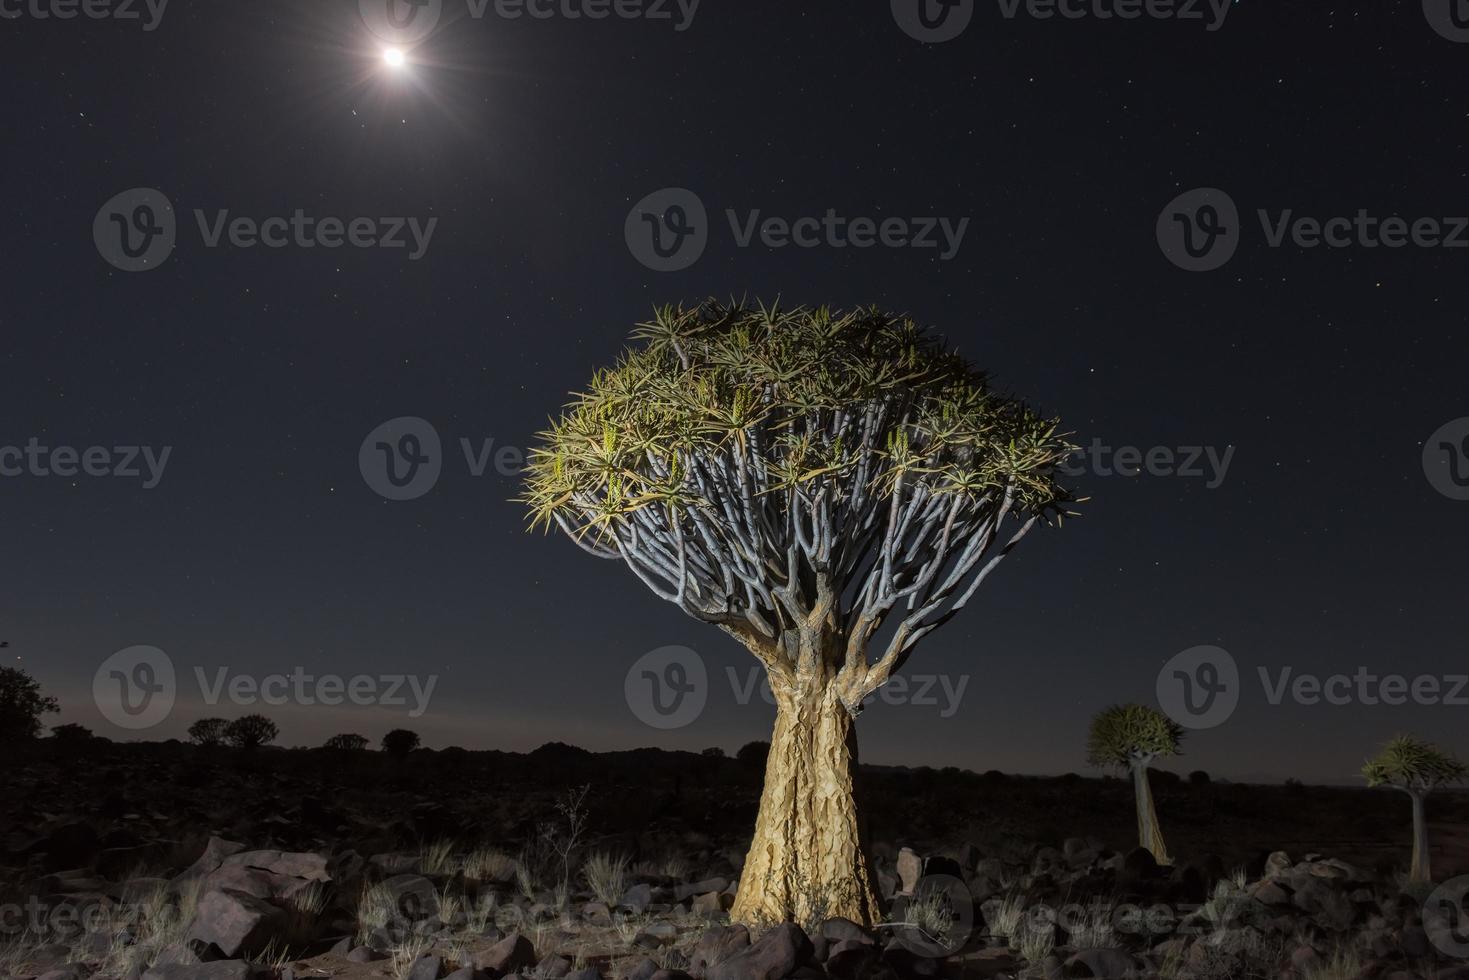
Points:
x=346, y=743
x=250, y=732
x=208, y=731
x=400, y=742
x=21, y=705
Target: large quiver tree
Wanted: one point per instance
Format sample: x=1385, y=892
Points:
x=1415, y=767
x=814, y=483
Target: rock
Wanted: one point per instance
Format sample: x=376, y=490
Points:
x=510, y=955
x=851, y=960
x=587, y=973
x=425, y=968
x=887, y=882
x=670, y=975
x=910, y=869
x=775, y=956
x=468, y=973
x=939, y=865
x=1048, y=860
x=364, y=954
x=1111, y=963
x=553, y=968
x=681, y=892
x=220, y=970
x=214, y=854
x=72, y=971
x=235, y=923
x=710, y=903
x=1270, y=892
x=597, y=913
x=644, y=968
x=1327, y=906
x=637, y=898
x=1277, y=864
x=1139, y=865
x=838, y=929
x=715, y=946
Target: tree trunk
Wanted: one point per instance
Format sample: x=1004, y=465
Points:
x=806, y=861
x=1419, y=870
x=1149, y=835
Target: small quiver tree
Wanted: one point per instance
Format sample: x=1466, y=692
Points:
x=1129, y=737
x=1417, y=768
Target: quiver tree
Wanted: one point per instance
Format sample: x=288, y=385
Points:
x=804, y=480
x=1417, y=768
x=1130, y=737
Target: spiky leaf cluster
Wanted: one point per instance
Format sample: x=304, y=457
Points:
x=758, y=466
x=1412, y=764
x=1128, y=734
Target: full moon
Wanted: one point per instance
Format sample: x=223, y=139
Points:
x=394, y=57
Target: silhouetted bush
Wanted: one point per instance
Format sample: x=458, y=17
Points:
x=208, y=731
x=713, y=752
x=250, y=732
x=21, y=705
x=753, y=754
x=400, y=742
x=346, y=743
x=1199, y=778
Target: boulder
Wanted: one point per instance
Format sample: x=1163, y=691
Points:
x=775, y=956
x=509, y=955
x=235, y=923
x=1111, y=963
x=425, y=968
x=910, y=869
x=220, y=970
x=715, y=946
x=681, y=892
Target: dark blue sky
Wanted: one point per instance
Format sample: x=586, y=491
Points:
x=262, y=549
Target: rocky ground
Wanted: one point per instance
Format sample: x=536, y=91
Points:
x=174, y=863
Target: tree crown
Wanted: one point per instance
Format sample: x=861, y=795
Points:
x=1131, y=734
x=760, y=467
x=1412, y=764
x=251, y=732
x=21, y=705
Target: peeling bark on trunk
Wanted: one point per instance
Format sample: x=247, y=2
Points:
x=1149, y=834
x=1420, y=869
x=807, y=860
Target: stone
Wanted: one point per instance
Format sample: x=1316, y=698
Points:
x=1278, y=864
x=425, y=968
x=838, y=929
x=681, y=892
x=644, y=968
x=1109, y=963
x=637, y=898
x=553, y=968
x=715, y=946
x=510, y=955
x=235, y=923
x=220, y=970
x=910, y=869
x=774, y=956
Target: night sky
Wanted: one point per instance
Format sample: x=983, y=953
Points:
x=1325, y=548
